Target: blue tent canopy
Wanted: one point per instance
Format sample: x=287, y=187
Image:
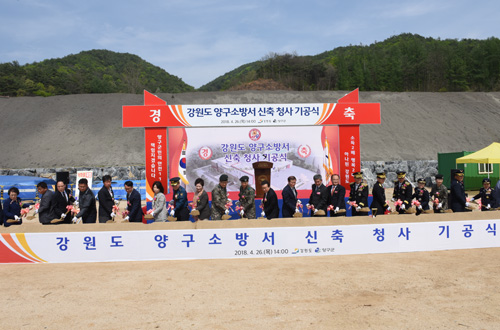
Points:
x=25, y=184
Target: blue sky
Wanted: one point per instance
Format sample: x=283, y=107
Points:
x=199, y=40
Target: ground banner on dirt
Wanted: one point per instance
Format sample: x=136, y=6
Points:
x=107, y=246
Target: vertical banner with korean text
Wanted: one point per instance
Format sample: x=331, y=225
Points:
x=156, y=149
x=350, y=160
x=156, y=159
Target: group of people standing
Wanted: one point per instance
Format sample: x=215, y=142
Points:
x=61, y=207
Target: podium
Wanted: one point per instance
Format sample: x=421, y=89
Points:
x=262, y=171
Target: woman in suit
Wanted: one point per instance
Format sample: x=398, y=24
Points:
x=201, y=200
x=159, y=203
x=12, y=208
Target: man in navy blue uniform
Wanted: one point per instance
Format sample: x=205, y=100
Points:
x=458, y=199
x=379, y=204
x=133, y=203
x=289, y=194
x=487, y=195
x=422, y=196
x=358, y=195
x=181, y=211
x=402, y=192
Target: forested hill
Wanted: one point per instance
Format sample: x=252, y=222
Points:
x=406, y=62
x=95, y=71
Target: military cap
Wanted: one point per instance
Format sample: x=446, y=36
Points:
x=421, y=180
x=223, y=178
x=358, y=175
x=401, y=174
x=244, y=178
x=175, y=181
x=439, y=176
x=459, y=172
x=487, y=180
x=381, y=175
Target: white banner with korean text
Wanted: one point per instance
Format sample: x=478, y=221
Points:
x=252, y=242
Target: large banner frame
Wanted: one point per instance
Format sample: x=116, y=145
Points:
x=157, y=117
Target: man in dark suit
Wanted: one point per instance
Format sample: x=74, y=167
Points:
x=46, y=209
x=270, y=200
x=336, y=197
x=61, y=199
x=358, y=195
x=379, y=204
x=458, y=199
x=319, y=197
x=289, y=195
x=86, y=201
x=106, y=199
x=133, y=203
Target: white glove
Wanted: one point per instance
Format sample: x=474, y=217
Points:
x=315, y=211
x=403, y=207
x=126, y=218
x=172, y=213
x=75, y=219
x=419, y=207
x=16, y=217
x=472, y=199
x=393, y=199
x=77, y=203
x=263, y=214
x=226, y=211
x=358, y=208
x=30, y=207
x=297, y=211
x=389, y=208
x=242, y=213
x=466, y=204
x=63, y=215
x=113, y=214
x=440, y=206
x=36, y=211
x=488, y=206
x=336, y=210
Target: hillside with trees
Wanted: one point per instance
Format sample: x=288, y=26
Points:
x=406, y=62
x=95, y=71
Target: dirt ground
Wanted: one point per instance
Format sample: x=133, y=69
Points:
x=426, y=290
x=432, y=290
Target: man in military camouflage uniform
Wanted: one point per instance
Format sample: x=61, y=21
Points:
x=403, y=191
x=439, y=192
x=247, y=198
x=219, y=198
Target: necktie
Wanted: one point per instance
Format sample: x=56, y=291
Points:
x=65, y=196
